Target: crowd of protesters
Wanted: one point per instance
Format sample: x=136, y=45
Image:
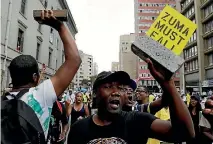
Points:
x=40, y=113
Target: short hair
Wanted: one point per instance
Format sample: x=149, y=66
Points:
x=22, y=69
x=145, y=88
x=78, y=92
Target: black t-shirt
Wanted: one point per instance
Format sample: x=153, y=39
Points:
x=129, y=127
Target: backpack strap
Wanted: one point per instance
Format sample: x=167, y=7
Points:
x=59, y=106
x=20, y=94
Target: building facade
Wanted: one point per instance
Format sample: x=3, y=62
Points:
x=21, y=34
x=95, y=69
x=198, y=54
x=146, y=11
x=127, y=59
x=86, y=69
x=115, y=66
x=87, y=63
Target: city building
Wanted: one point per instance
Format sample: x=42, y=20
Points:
x=115, y=66
x=95, y=69
x=146, y=11
x=21, y=34
x=197, y=74
x=85, y=71
x=87, y=63
x=127, y=59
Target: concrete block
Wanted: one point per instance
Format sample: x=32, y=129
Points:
x=146, y=47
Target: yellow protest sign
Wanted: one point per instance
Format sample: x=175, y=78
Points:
x=172, y=29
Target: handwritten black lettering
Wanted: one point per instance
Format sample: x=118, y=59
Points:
x=159, y=26
x=173, y=47
x=181, y=38
x=178, y=26
x=168, y=32
x=153, y=34
x=186, y=32
x=173, y=35
x=170, y=21
x=160, y=40
x=165, y=42
x=165, y=16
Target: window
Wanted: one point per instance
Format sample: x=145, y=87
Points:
x=190, y=52
x=145, y=82
x=195, y=50
x=23, y=6
x=195, y=36
x=50, y=57
x=149, y=82
x=154, y=82
x=208, y=10
x=38, y=51
x=210, y=59
x=190, y=66
x=20, y=40
x=185, y=56
x=208, y=26
x=186, y=66
x=51, y=35
x=196, y=64
x=57, y=44
x=210, y=42
x=39, y=27
x=193, y=65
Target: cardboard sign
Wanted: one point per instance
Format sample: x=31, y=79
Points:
x=172, y=30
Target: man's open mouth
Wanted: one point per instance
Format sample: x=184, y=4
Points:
x=114, y=104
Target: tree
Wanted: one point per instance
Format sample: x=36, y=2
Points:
x=92, y=79
x=85, y=82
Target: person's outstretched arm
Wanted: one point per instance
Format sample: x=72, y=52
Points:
x=67, y=71
x=181, y=126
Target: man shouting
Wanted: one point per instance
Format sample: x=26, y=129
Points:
x=111, y=125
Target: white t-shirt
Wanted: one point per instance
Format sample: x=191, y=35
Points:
x=40, y=99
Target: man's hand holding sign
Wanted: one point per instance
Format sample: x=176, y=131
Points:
x=161, y=48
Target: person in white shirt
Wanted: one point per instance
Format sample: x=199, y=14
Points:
x=24, y=72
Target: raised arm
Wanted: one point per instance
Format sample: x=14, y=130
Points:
x=181, y=126
x=155, y=106
x=69, y=110
x=67, y=71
